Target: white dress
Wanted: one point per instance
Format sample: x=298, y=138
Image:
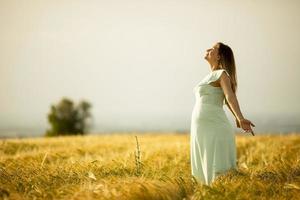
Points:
x=212, y=139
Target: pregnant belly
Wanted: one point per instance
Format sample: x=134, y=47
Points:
x=210, y=113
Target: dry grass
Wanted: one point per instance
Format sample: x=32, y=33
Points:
x=112, y=167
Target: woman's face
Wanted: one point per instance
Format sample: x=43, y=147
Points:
x=212, y=54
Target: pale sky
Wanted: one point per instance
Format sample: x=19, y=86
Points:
x=137, y=61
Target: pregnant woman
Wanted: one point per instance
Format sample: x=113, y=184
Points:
x=212, y=141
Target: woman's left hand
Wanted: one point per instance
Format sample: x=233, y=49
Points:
x=245, y=124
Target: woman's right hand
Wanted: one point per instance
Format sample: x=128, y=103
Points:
x=245, y=124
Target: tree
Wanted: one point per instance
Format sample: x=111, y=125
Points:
x=67, y=119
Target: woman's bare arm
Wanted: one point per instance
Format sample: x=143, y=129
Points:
x=226, y=102
x=231, y=98
x=236, y=119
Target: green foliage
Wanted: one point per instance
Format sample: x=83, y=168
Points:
x=67, y=119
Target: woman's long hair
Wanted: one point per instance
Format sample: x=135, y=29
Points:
x=227, y=63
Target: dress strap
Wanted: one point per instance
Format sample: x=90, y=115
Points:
x=216, y=74
x=211, y=77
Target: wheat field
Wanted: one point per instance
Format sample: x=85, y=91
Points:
x=144, y=166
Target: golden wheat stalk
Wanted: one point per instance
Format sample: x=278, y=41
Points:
x=137, y=157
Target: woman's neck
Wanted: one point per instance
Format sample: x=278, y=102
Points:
x=214, y=67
